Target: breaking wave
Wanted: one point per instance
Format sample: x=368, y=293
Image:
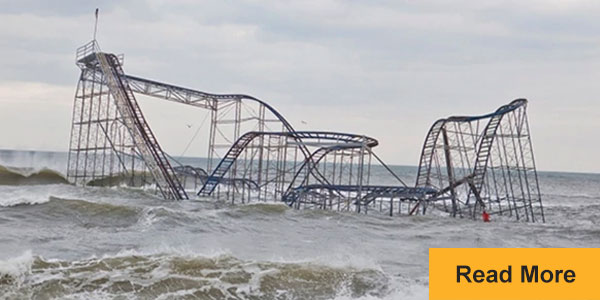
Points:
x=84, y=213
x=90, y=214
x=28, y=176
x=167, y=276
x=15, y=176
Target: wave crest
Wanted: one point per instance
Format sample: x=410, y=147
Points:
x=15, y=176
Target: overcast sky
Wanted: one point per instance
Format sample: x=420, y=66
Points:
x=386, y=69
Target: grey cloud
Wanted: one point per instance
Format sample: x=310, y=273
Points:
x=402, y=64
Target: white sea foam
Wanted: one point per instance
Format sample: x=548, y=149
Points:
x=15, y=195
x=169, y=275
x=18, y=266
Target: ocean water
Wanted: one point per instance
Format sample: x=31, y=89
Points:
x=59, y=241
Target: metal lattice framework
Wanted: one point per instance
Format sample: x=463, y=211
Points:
x=116, y=124
x=482, y=163
x=254, y=154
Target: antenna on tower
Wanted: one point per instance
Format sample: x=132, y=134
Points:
x=96, y=24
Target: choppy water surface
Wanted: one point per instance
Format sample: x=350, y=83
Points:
x=67, y=242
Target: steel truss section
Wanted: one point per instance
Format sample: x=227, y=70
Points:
x=483, y=163
x=103, y=72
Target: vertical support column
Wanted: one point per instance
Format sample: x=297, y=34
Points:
x=537, y=185
x=73, y=157
x=450, y=170
x=361, y=161
x=236, y=134
x=211, y=137
x=261, y=143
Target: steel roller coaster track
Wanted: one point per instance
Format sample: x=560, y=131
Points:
x=468, y=164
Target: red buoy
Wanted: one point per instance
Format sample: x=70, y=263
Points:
x=486, y=216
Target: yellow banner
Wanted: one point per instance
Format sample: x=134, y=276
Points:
x=510, y=273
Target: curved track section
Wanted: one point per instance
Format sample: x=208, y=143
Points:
x=221, y=105
x=193, y=97
x=482, y=163
x=431, y=141
x=343, y=140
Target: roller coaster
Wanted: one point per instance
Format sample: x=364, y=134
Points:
x=468, y=164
